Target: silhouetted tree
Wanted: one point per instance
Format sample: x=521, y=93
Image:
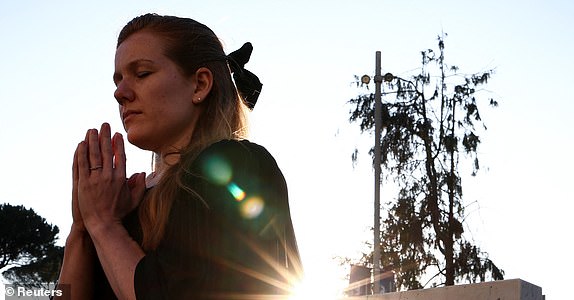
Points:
x=27, y=243
x=431, y=122
x=39, y=273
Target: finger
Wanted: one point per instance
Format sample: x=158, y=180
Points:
x=106, y=147
x=119, y=155
x=94, y=149
x=82, y=160
x=135, y=179
x=75, y=174
x=136, y=183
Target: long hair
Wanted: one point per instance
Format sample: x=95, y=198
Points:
x=190, y=45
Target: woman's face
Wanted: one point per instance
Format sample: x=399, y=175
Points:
x=156, y=100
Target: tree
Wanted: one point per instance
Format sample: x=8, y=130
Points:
x=432, y=124
x=40, y=273
x=27, y=244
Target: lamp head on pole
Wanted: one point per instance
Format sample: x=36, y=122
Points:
x=365, y=79
x=388, y=77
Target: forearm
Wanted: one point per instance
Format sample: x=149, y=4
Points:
x=119, y=255
x=78, y=265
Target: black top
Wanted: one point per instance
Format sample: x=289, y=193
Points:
x=234, y=238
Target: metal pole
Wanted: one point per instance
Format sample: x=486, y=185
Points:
x=377, y=226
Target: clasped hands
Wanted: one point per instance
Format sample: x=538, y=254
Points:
x=101, y=194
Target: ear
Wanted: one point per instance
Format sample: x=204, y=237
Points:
x=204, y=82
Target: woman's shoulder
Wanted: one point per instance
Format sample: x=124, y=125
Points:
x=236, y=148
x=242, y=154
x=239, y=174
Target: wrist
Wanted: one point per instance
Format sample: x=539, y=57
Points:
x=78, y=231
x=79, y=235
x=78, y=228
x=102, y=229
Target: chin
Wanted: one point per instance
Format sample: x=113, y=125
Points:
x=139, y=141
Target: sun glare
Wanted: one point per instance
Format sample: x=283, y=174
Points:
x=305, y=291
x=314, y=288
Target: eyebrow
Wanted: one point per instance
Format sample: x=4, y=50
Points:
x=131, y=66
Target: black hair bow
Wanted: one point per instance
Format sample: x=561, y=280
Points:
x=248, y=84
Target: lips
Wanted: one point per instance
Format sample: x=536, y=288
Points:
x=129, y=114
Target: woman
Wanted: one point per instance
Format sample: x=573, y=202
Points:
x=212, y=221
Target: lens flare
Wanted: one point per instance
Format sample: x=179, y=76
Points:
x=236, y=191
x=218, y=170
x=252, y=207
x=306, y=290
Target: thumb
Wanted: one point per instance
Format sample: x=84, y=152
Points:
x=136, y=183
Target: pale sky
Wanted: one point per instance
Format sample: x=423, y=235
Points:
x=56, y=65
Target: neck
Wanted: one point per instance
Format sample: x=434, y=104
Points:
x=160, y=165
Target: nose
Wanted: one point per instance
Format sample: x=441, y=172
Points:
x=123, y=93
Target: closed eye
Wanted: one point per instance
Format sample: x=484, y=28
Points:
x=143, y=74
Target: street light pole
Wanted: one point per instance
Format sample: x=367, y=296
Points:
x=377, y=226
